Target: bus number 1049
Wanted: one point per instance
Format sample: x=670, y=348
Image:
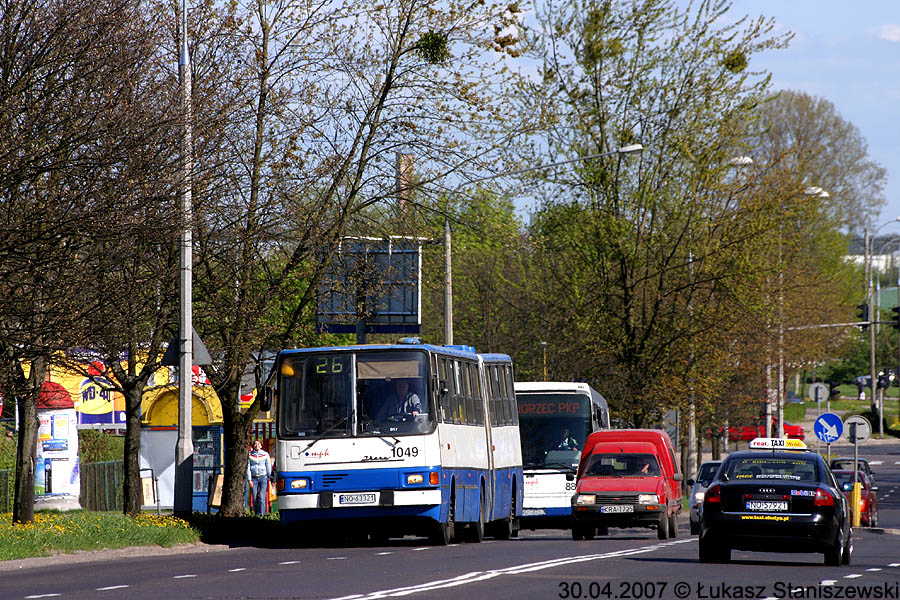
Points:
x=405, y=452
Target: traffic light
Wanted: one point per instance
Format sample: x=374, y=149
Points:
x=895, y=318
x=833, y=391
x=862, y=315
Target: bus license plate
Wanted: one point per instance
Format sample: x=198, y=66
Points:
x=617, y=508
x=355, y=499
x=534, y=512
x=767, y=505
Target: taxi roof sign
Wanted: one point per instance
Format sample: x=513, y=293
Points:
x=777, y=444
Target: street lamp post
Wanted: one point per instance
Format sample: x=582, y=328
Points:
x=814, y=192
x=868, y=270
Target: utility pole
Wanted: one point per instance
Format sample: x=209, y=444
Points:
x=184, y=447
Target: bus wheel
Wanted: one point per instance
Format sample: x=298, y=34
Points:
x=577, y=533
x=443, y=533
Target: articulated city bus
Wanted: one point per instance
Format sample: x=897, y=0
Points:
x=555, y=419
x=389, y=440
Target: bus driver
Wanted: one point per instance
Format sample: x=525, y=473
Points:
x=402, y=401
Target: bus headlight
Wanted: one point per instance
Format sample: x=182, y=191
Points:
x=299, y=484
x=585, y=499
x=414, y=479
x=648, y=499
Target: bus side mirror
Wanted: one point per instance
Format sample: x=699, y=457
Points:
x=570, y=477
x=265, y=403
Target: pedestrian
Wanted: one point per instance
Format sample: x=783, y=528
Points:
x=259, y=470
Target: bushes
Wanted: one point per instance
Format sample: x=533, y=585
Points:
x=98, y=446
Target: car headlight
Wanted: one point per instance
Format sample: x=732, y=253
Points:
x=585, y=499
x=648, y=499
x=698, y=497
x=299, y=484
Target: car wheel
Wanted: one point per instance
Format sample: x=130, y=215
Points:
x=673, y=525
x=713, y=553
x=848, y=548
x=834, y=553
x=662, y=528
x=695, y=528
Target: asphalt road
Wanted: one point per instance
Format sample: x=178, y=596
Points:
x=544, y=565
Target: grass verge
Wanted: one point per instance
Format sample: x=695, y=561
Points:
x=55, y=532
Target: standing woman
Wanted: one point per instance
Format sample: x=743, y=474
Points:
x=259, y=469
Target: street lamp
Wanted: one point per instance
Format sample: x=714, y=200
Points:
x=813, y=192
x=869, y=299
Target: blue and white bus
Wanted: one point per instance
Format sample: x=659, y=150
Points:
x=555, y=419
x=347, y=457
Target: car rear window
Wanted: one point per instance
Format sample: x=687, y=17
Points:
x=790, y=469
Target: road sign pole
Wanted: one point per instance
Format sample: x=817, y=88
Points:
x=856, y=494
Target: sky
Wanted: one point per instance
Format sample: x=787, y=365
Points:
x=847, y=52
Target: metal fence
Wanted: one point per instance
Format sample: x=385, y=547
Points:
x=101, y=487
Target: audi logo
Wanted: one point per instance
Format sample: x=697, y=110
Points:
x=766, y=490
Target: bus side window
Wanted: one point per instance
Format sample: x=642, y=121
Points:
x=459, y=400
x=510, y=395
x=446, y=405
x=477, y=401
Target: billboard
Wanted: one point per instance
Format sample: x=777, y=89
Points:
x=375, y=281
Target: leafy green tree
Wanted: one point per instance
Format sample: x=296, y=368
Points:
x=643, y=258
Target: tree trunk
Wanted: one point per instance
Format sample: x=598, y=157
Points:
x=132, y=464
x=23, y=505
x=237, y=443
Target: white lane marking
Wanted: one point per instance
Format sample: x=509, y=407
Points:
x=894, y=565
x=420, y=549
x=852, y=576
x=238, y=570
x=289, y=562
x=42, y=596
x=876, y=462
x=897, y=462
x=112, y=587
x=183, y=576
x=336, y=558
x=477, y=576
x=828, y=582
x=383, y=553
x=873, y=569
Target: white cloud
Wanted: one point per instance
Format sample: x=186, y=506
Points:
x=889, y=32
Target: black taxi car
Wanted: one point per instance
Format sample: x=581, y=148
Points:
x=775, y=497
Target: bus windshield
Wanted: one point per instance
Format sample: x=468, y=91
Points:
x=554, y=428
x=353, y=394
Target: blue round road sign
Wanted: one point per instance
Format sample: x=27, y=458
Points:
x=828, y=427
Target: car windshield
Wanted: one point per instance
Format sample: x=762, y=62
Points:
x=622, y=465
x=751, y=467
x=847, y=464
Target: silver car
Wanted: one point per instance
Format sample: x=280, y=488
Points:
x=698, y=489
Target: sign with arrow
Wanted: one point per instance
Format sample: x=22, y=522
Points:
x=828, y=427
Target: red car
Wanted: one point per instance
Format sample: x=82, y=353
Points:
x=746, y=433
x=868, y=502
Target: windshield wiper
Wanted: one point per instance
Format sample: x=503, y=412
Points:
x=325, y=432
